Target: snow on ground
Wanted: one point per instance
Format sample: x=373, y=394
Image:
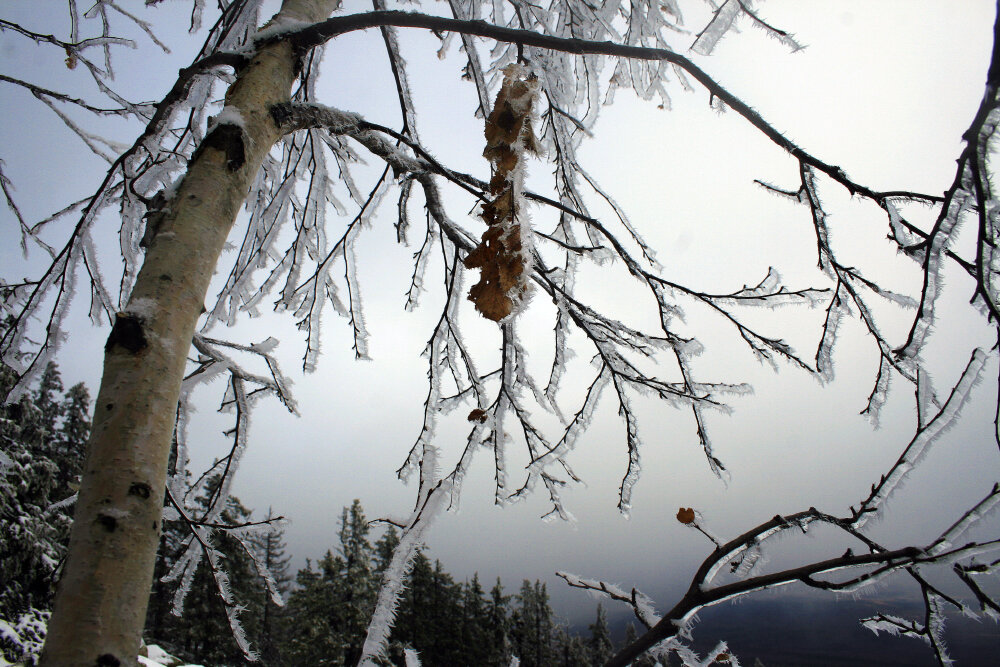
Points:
x=157, y=657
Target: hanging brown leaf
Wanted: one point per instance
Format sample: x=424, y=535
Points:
x=501, y=256
x=477, y=415
x=499, y=260
x=685, y=515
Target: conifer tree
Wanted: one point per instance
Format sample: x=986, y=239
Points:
x=475, y=622
x=326, y=616
x=447, y=623
x=412, y=621
x=48, y=403
x=384, y=546
x=42, y=437
x=570, y=650
x=270, y=550
x=354, y=580
x=630, y=636
x=532, y=625
x=499, y=636
x=158, y=611
x=71, y=438
x=203, y=632
x=430, y=615
x=29, y=546
x=446, y=620
x=601, y=646
x=308, y=637
x=172, y=539
x=630, y=633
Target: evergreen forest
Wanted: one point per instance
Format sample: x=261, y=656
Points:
x=325, y=606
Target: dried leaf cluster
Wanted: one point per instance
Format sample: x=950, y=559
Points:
x=503, y=253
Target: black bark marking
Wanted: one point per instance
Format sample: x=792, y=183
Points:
x=140, y=489
x=166, y=277
x=227, y=139
x=127, y=332
x=281, y=114
x=109, y=407
x=108, y=660
x=156, y=211
x=109, y=522
x=299, y=54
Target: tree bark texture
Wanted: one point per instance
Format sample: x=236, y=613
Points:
x=100, y=604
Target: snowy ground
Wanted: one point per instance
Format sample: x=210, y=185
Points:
x=157, y=657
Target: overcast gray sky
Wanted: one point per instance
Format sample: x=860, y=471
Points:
x=884, y=90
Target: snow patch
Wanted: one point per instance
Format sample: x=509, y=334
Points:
x=279, y=26
x=157, y=657
x=142, y=307
x=228, y=116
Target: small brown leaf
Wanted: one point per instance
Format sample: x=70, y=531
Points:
x=477, y=415
x=722, y=658
x=685, y=515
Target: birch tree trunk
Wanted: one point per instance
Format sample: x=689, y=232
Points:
x=100, y=605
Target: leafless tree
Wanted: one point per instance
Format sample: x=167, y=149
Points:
x=273, y=150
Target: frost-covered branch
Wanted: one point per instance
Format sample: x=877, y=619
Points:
x=128, y=184
x=200, y=547
x=741, y=556
x=641, y=604
x=970, y=191
x=927, y=432
x=207, y=519
x=313, y=35
x=872, y=566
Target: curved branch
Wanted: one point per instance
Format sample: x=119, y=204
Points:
x=319, y=33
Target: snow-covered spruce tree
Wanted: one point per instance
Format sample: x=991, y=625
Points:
x=272, y=147
x=30, y=545
x=42, y=436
